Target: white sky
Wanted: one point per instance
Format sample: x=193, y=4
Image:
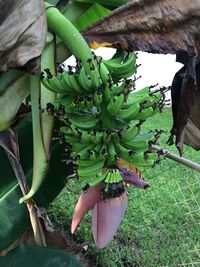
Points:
x=154, y=68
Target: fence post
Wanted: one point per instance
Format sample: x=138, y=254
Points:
x=181, y=160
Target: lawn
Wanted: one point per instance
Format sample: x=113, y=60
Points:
x=161, y=224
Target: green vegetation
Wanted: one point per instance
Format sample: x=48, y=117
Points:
x=161, y=224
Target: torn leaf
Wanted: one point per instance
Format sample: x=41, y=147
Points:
x=22, y=34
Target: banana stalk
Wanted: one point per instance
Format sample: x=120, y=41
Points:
x=68, y=33
x=47, y=96
x=40, y=158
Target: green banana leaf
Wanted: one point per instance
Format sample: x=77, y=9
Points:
x=32, y=256
x=114, y=3
x=74, y=10
x=8, y=77
x=14, y=216
x=93, y=14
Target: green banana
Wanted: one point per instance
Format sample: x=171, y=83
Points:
x=45, y=82
x=84, y=163
x=83, y=80
x=104, y=74
x=86, y=137
x=67, y=102
x=119, y=89
x=143, y=160
x=96, y=82
x=96, y=180
x=111, y=154
x=115, y=104
x=155, y=98
x=145, y=113
x=139, y=143
x=135, y=97
x=119, y=124
x=107, y=93
x=129, y=113
x=73, y=83
x=84, y=121
x=83, y=153
x=70, y=138
x=118, y=57
x=140, y=93
x=54, y=83
x=97, y=138
x=91, y=170
x=129, y=133
x=123, y=69
x=98, y=98
x=122, y=152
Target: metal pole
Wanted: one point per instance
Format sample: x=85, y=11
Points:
x=181, y=160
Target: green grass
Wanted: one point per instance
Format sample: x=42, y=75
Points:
x=161, y=224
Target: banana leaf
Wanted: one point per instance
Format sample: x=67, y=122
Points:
x=32, y=256
x=8, y=77
x=113, y=3
x=93, y=14
x=10, y=101
x=151, y=26
x=23, y=33
x=14, y=216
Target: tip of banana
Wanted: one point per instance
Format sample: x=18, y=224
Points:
x=26, y=197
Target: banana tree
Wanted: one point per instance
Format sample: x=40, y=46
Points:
x=26, y=148
x=94, y=111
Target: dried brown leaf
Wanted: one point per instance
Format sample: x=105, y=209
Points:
x=159, y=26
x=22, y=34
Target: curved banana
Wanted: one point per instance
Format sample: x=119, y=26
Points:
x=145, y=113
x=140, y=142
x=83, y=121
x=129, y=113
x=72, y=79
x=96, y=82
x=115, y=104
x=130, y=133
x=83, y=153
x=98, y=98
x=111, y=154
x=83, y=80
x=123, y=69
x=91, y=170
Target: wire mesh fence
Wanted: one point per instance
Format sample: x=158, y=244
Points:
x=170, y=210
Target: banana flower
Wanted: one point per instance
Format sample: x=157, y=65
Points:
x=107, y=213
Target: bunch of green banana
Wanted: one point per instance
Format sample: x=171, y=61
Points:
x=121, y=65
x=101, y=112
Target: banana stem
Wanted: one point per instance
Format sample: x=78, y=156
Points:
x=47, y=96
x=70, y=36
x=39, y=158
